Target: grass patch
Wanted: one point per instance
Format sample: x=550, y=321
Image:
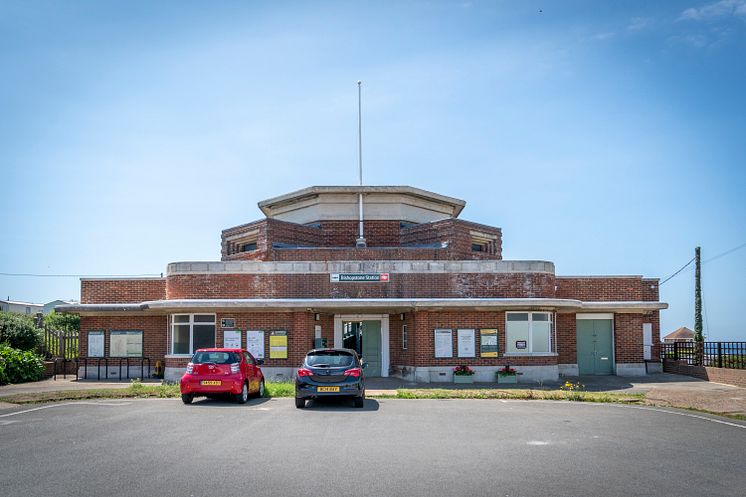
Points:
x=516, y=394
x=280, y=389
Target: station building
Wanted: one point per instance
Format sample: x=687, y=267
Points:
x=391, y=271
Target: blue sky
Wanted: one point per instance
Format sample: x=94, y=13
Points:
x=607, y=137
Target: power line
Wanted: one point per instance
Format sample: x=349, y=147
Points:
x=677, y=272
x=39, y=275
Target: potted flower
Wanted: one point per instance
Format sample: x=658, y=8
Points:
x=463, y=374
x=507, y=375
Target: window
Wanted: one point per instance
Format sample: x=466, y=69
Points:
x=404, y=337
x=528, y=332
x=28, y=310
x=190, y=332
x=248, y=247
x=483, y=242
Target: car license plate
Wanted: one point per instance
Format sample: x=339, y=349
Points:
x=327, y=389
x=210, y=382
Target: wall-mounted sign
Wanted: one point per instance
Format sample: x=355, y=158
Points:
x=125, y=343
x=359, y=277
x=96, y=343
x=488, y=343
x=521, y=344
x=228, y=323
x=232, y=339
x=465, y=340
x=278, y=345
x=443, y=343
x=255, y=343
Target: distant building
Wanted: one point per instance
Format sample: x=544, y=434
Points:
x=20, y=307
x=683, y=334
x=49, y=306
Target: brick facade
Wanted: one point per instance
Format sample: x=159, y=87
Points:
x=425, y=249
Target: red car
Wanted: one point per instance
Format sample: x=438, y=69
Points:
x=221, y=371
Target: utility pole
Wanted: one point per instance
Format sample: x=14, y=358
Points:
x=698, y=337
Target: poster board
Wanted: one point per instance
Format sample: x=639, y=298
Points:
x=255, y=343
x=232, y=339
x=465, y=338
x=488, y=345
x=443, y=343
x=96, y=343
x=278, y=345
x=125, y=343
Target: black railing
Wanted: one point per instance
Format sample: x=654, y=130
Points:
x=120, y=364
x=731, y=355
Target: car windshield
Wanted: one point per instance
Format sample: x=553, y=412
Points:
x=330, y=359
x=215, y=358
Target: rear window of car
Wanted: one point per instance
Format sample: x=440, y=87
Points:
x=215, y=358
x=333, y=359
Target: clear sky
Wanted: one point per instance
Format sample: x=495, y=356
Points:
x=607, y=137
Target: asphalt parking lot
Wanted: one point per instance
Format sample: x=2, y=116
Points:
x=391, y=447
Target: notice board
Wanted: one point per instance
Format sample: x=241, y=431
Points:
x=96, y=343
x=255, y=343
x=443, y=343
x=278, y=345
x=232, y=339
x=488, y=342
x=466, y=342
x=125, y=343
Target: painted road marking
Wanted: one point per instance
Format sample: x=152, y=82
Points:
x=65, y=404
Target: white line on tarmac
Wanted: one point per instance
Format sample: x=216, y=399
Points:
x=64, y=404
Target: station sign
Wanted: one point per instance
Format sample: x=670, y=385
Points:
x=359, y=277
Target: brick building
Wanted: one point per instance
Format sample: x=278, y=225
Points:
x=418, y=292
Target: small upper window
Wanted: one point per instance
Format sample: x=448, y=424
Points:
x=248, y=247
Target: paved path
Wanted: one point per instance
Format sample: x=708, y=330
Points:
x=391, y=447
x=664, y=389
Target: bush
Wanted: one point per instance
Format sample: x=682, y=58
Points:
x=18, y=366
x=65, y=322
x=19, y=331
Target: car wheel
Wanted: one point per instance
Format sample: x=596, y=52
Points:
x=359, y=401
x=187, y=398
x=300, y=403
x=242, y=397
x=260, y=392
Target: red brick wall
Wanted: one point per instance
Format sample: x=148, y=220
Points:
x=121, y=291
x=600, y=289
x=736, y=377
x=628, y=346
x=154, y=330
x=567, y=338
x=401, y=285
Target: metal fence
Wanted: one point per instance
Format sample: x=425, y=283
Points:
x=731, y=355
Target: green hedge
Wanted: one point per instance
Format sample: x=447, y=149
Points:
x=19, y=331
x=18, y=366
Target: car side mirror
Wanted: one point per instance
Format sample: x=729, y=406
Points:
x=365, y=365
x=259, y=362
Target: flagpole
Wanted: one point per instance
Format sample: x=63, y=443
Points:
x=360, y=242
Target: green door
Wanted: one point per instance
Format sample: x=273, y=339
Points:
x=594, y=346
x=371, y=340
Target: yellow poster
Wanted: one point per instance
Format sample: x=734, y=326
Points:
x=488, y=344
x=278, y=346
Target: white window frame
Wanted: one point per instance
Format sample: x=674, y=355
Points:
x=404, y=337
x=191, y=324
x=530, y=345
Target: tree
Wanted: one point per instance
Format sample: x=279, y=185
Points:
x=19, y=331
x=57, y=321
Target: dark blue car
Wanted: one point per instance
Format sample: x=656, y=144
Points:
x=330, y=373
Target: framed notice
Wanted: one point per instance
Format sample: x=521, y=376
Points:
x=443, y=343
x=466, y=343
x=96, y=343
x=521, y=344
x=232, y=339
x=228, y=323
x=255, y=343
x=125, y=343
x=488, y=343
x=278, y=345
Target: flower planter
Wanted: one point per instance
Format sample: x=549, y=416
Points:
x=463, y=378
x=508, y=378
